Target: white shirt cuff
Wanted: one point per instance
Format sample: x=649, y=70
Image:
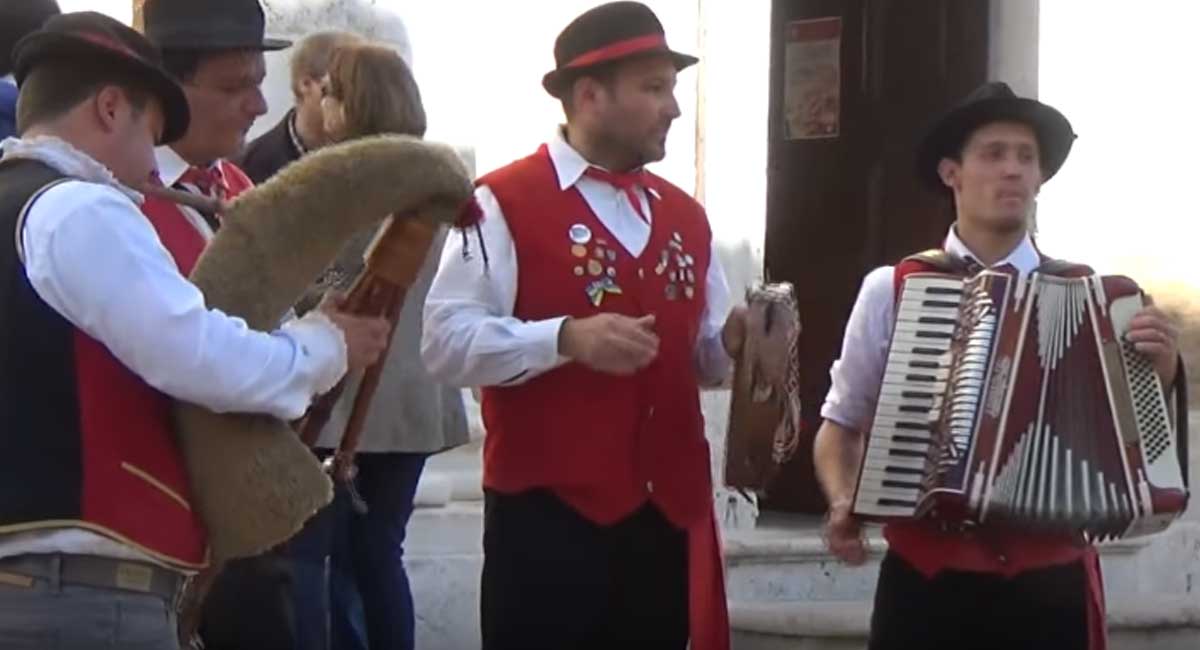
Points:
x=321, y=346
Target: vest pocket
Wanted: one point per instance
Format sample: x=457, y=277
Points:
x=156, y=484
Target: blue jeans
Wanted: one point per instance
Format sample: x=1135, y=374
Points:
x=47, y=616
x=351, y=589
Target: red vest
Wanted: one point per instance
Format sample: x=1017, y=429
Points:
x=603, y=444
x=931, y=550
x=177, y=232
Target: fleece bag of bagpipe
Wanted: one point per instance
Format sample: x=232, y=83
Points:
x=254, y=483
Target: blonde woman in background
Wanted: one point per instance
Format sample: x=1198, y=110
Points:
x=369, y=90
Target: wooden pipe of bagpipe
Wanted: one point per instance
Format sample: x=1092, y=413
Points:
x=203, y=204
x=392, y=263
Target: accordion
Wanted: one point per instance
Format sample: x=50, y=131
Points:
x=1018, y=402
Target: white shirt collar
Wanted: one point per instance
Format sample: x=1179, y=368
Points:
x=569, y=164
x=64, y=157
x=171, y=166
x=1025, y=257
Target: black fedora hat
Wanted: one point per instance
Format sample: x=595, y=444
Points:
x=604, y=34
x=994, y=102
x=92, y=36
x=208, y=25
x=19, y=18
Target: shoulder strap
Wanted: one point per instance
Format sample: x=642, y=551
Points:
x=24, y=214
x=1063, y=268
x=939, y=260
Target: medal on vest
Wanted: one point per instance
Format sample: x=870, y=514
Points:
x=600, y=288
x=580, y=234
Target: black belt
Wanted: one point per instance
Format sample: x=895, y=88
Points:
x=98, y=572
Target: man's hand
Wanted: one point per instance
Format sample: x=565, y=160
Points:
x=1154, y=335
x=365, y=337
x=610, y=343
x=733, y=335
x=843, y=534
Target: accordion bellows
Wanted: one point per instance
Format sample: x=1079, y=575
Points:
x=1019, y=403
x=253, y=482
x=764, y=414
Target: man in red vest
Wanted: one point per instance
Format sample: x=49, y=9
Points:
x=981, y=588
x=599, y=314
x=215, y=49
x=99, y=331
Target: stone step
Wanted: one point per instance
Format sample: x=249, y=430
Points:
x=1144, y=623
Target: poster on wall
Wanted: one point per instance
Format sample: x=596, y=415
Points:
x=812, y=79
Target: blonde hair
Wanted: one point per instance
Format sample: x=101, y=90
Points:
x=377, y=91
x=311, y=56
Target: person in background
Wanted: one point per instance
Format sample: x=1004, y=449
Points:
x=369, y=90
x=302, y=129
x=17, y=18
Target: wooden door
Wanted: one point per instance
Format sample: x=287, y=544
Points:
x=842, y=194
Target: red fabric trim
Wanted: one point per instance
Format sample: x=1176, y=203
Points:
x=618, y=50
x=108, y=43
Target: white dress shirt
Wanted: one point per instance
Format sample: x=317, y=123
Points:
x=471, y=337
x=92, y=256
x=856, y=376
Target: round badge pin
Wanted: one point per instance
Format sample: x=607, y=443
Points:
x=579, y=270
x=612, y=273
x=580, y=234
x=611, y=254
x=595, y=268
x=579, y=250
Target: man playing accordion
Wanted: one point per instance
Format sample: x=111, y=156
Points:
x=941, y=585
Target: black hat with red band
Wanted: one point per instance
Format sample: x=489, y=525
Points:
x=610, y=32
x=91, y=36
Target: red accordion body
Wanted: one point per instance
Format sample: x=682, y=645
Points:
x=1017, y=402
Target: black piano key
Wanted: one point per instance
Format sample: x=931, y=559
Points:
x=907, y=453
x=897, y=502
x=939, y=303
x=892, y=469
x=911, y=440
x=936, y=320
x=928, y=351
x=915, y=409
x=901, y=484
x=925, y=378
x=945, y=291
x=914, y=426
x=916, y=394
x=934, y=335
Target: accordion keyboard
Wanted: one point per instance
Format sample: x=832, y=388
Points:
x=910, y=398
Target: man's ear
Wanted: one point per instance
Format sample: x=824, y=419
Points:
x=949, y=170
x=107, y=104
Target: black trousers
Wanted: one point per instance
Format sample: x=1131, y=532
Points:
x=1044, y=609
x=250, y=606
x=553, y=580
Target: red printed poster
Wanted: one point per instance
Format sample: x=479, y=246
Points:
x=812, y=79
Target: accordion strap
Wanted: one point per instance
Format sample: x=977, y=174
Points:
x=940, y=260
x=1181, y=420
x=1063, y=268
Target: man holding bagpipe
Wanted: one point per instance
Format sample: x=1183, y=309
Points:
x=100, y=332
x=952, y=581
x=591, y=314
